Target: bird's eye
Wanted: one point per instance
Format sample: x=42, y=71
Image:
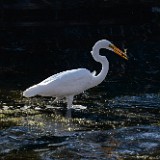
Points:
x=111, y=46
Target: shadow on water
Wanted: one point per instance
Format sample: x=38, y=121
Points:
x=110, y=127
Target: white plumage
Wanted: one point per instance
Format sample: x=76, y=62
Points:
x=72, y=82
x=64, y=83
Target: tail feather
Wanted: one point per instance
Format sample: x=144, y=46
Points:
x=32, y=91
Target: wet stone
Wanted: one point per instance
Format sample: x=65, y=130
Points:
x=38, y=108
x=5, y=107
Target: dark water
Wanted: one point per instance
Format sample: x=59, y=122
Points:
x=110, y=127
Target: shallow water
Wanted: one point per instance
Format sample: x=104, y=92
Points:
x=106, y=127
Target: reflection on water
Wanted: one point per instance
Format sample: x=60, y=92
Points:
x=120, y=127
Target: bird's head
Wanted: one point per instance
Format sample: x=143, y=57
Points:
x=108, y=45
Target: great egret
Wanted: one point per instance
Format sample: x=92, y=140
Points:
x=68, y=83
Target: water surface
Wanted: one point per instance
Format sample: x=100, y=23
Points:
x=106, y=127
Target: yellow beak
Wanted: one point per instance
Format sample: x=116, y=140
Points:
x=119, y=52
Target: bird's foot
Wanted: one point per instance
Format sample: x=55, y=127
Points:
x=57, y=99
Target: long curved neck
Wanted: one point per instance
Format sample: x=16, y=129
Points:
x=105, y=65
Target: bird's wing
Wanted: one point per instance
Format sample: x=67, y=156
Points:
x=69, y=82
x=51, y=78
x=69, y=76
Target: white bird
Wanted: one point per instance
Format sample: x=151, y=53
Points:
x=69, y=83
